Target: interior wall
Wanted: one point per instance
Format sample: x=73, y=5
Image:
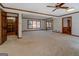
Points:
x=24, y=24
x=57, y=24
x=20, y=21
x=20, y=26
x=75, y=23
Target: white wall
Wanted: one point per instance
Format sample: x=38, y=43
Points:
x=24, y=24
x=75, y=23
x=20, y=25
x=57, y=24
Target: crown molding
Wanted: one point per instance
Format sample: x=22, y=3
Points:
x=1, y=5
x=26, y=10
x=36, y=12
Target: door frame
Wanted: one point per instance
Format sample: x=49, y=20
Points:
x=17, y=18
x=63, y=23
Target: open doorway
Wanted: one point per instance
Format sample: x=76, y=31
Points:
x=12, y=23
x=67, y=25
x=8, y=25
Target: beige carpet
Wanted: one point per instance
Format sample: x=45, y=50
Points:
x=41, y=43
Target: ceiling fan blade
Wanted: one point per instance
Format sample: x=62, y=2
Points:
x=64, y=7
x=61, y=4
x=54, y=10
x=51, y=6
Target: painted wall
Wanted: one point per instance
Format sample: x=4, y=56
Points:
x=20, y=19
x=24, y=24
x=57, y=24
x=20, y=25
x=75, y=23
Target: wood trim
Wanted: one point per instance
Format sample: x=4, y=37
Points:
x=17, y=22
x=12, y=13
x=75, y=35
x=67, y=34
x=12, y=16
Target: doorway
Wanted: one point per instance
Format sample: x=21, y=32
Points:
x=11, y=25
x=67, y=25
x=8, y=25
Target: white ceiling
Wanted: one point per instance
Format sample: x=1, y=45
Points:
x=41, y=7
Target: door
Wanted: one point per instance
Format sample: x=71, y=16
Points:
x=4, y=26
x=12, y=25
x=66, y=25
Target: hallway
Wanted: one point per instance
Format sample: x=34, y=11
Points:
x=41, y=43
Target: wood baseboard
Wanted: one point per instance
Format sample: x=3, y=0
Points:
x=67, y=34
x=75, y=35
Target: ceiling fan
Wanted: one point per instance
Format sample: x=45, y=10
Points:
x=58, y=6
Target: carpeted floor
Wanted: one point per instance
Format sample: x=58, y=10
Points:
x=41, y=43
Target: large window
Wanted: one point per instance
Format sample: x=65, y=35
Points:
x=48, y=24
x=38, y=24
x=33, y=24
x=30, y=24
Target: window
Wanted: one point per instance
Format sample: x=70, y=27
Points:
x=30, y=24
x=38, y=24
x=48, y=24
x=33, y=24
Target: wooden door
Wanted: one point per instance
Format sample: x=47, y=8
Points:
x=3, y=27
x=66, y=25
